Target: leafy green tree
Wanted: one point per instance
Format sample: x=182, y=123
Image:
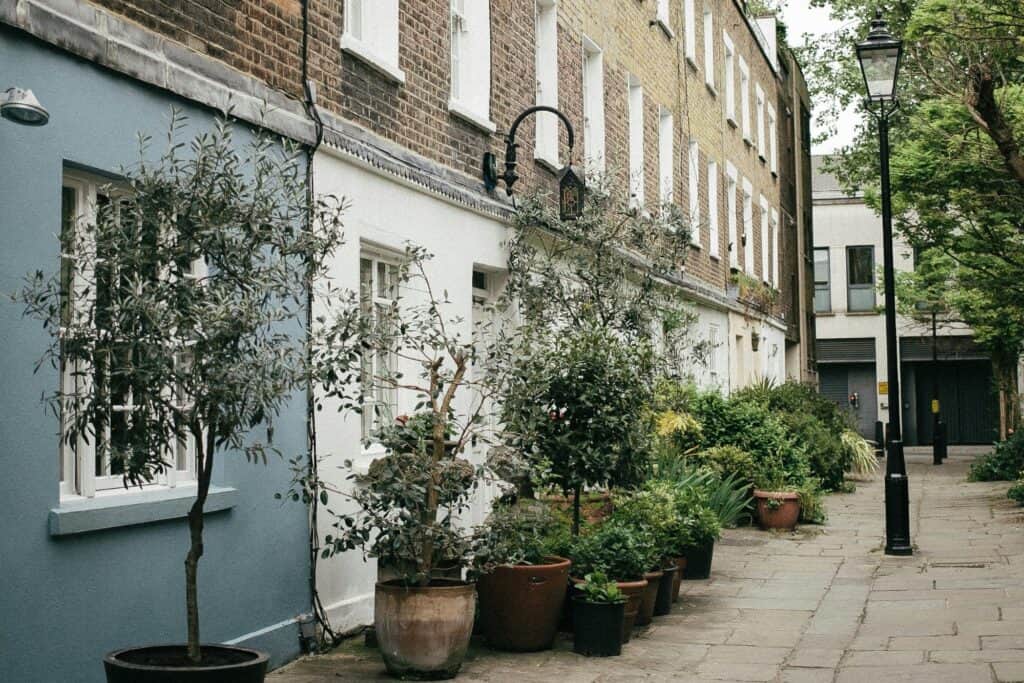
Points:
x=186, y=294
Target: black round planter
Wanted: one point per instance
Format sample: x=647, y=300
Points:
x=169, y=664
x=663, y=602
x=598, y=628
x=698, y=561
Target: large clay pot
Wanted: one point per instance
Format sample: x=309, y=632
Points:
x=677, y=577
x=698, y=561
x=646, y=612
x=423, y=631
x=634, y=592
x=777, y=509
x=169, y=664
x=520, y=605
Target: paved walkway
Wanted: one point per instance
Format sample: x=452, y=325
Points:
x=821, y=604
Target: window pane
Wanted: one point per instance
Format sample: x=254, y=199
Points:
x=860, y=265
x=822, y=300
x=821, y=274
x=862, y=299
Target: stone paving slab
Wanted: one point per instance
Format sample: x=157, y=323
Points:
x=821, y=604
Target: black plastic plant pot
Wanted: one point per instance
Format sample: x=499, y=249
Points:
x=663, y=603
x=170, y=664
x=698, y=561
x=598, y=628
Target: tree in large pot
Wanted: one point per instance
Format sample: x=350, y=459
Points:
x=408, y=504
x=623, y=553
x=521, y=581
x=178, y=322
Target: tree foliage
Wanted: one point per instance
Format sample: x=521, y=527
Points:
x=184, y=297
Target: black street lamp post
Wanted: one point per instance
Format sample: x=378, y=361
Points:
x=879, y=56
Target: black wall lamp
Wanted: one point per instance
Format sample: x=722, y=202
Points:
x=570, y=185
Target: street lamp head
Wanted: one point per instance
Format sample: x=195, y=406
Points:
x=880, y=55
x=21, y=106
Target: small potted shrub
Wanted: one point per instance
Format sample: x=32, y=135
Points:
x=703, y=529
x=521, y=583
x=777, y=500
x=624, y=556
x=598, y=609
x=652, y=511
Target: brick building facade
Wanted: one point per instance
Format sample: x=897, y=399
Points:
x=689, y=101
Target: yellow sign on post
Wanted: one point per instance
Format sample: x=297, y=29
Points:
x=935, y=406
x=883, y=388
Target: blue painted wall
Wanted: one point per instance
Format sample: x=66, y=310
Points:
x=64, y=602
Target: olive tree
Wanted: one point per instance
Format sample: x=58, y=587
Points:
x=184, y=298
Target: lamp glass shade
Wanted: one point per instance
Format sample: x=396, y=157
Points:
x=21, y=106
x=880, y=64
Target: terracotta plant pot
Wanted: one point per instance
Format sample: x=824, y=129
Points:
x=663, y=601
x=677, y=577
x=170, y=663
x=598, y=631
x=646, y=612
x=520, y=605
x=423, y=632
x=698, y=561
x=634, y=591
x=781, y=515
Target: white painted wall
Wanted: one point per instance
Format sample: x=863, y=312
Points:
x=386, y=214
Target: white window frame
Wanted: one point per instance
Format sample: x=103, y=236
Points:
x=693, y=176
x=713, y=236
x=385, y=396
x=773, y=141
x=765, y=256
x=78, y=462
x=593, y=106
x=470, y=33
x=745, y=100
x=666, y=154
x=370, y=33
x=709, y=50
x=730, y=78
x=690, y=32
x=635, y=93
x=546, y=63
x=731, y=190
x=748, y=227
x=776, y=256
x=759, y=104
x=714, y=342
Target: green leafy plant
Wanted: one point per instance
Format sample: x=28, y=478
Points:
x=729, y=462
x=573, y=405
x=755, y=292
x=597, y=588
x=729, y=498
x=812, y=505
x=185, y=296
x=1004, y=463
x=622, y=552
x=652, y=510
x=1016, y=491
x=526, y=532
x=861, y=455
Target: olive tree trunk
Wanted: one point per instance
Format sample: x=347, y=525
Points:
x=204, y=467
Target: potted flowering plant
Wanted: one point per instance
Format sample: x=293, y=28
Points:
x=597, y=612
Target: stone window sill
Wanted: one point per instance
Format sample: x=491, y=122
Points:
x=471, y=117
x=365, y=54
x=663, y=25
x=81, y=515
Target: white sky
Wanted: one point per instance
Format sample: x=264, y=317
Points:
x=802, y=19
